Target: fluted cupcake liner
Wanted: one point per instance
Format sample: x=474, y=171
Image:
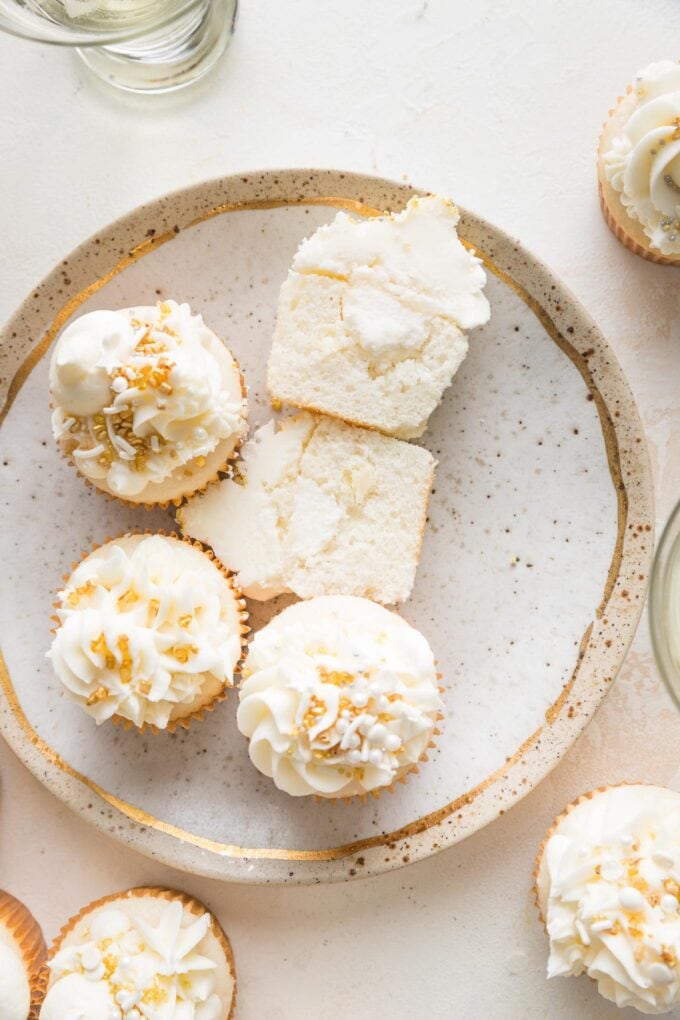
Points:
x=175, y=501
x=615, y=213
x=198, y=715
x=27, y=934
x=189, y=902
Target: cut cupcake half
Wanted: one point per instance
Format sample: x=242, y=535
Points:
x=372, y=319
x=318, y=507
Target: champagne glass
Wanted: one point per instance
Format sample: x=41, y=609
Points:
x=137, y=45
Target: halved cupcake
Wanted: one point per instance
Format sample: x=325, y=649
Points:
x=145, y=954
x=149, y=403
x=150, y=631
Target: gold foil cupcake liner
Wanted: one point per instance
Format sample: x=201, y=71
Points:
x=20, y=923
x=176, y=501
x=616, y=223
x=553, y=829
x=189, y=902
x=198, y=715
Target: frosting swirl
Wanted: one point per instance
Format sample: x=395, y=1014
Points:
x=609, y=890
x=15, y=992
x=149, y=629
x=142, y=392
x=130, y=968
x=339, y=697
x=643, y=164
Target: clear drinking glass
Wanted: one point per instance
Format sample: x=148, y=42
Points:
x=664, y=605
x=138, y=45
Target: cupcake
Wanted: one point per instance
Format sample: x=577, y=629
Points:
x=148, y=402
x=22, y=955
x=149, y=631
x=639, y=165
x=145, y=954
x=339, y=698
x=608, y=890
x=372, y=319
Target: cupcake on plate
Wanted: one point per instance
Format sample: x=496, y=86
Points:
x=638, y=165
x=149, y=631
x=22, y=955
x=608, y=891
x=339, y=698
x=145, y=954
x=148, y=403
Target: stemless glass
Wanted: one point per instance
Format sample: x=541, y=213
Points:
x=137, y=45
x=664, y=605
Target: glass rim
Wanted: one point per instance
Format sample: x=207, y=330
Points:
x=16, y=21
x=657, y=625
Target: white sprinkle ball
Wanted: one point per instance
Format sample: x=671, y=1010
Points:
x=377, y=733
x=631, y=899
x=341, y=725
x=354, y=757
x=119, y=384
x=360, y=699
x=375, y=756
x=660, y=974
x=354, y=740
x=392, y=742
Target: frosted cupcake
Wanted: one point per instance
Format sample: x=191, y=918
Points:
x=22, y=954
x=150, y=631
x=639, y=165
x=146, y=954
x=148, y=402
x=339, y=698
x=608, y=890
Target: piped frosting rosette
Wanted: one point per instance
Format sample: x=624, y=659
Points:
x=148, y=402
x=149, y=631
x=640, y=161
x=608, y=890
x=148, y=954
x=339, y=698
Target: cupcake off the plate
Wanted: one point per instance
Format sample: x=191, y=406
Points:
x=608, y=890
x=22, y=955
x=149, y=631
x=148, y=402
x=339, y=698
x=146, y=953
x=638, y=165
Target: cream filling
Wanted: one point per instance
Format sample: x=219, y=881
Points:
x=339, y=697
x=142, y=392
x=401, y=271
x=147, y=625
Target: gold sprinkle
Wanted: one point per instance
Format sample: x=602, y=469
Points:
x=184, y=621
x=200, y=461
x=182, y=652
x=99, y=695
x=144, y=687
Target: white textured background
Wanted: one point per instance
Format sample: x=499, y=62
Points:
x=498, y=104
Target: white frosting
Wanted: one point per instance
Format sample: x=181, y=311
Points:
x=130, y=969
x=609, y=890
x=643, y=165
x=339, y=697
x=15, y=992
x=148, y=625
x=401, y=270
x=141, y=392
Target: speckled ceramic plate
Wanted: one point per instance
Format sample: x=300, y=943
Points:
x=530, y=585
